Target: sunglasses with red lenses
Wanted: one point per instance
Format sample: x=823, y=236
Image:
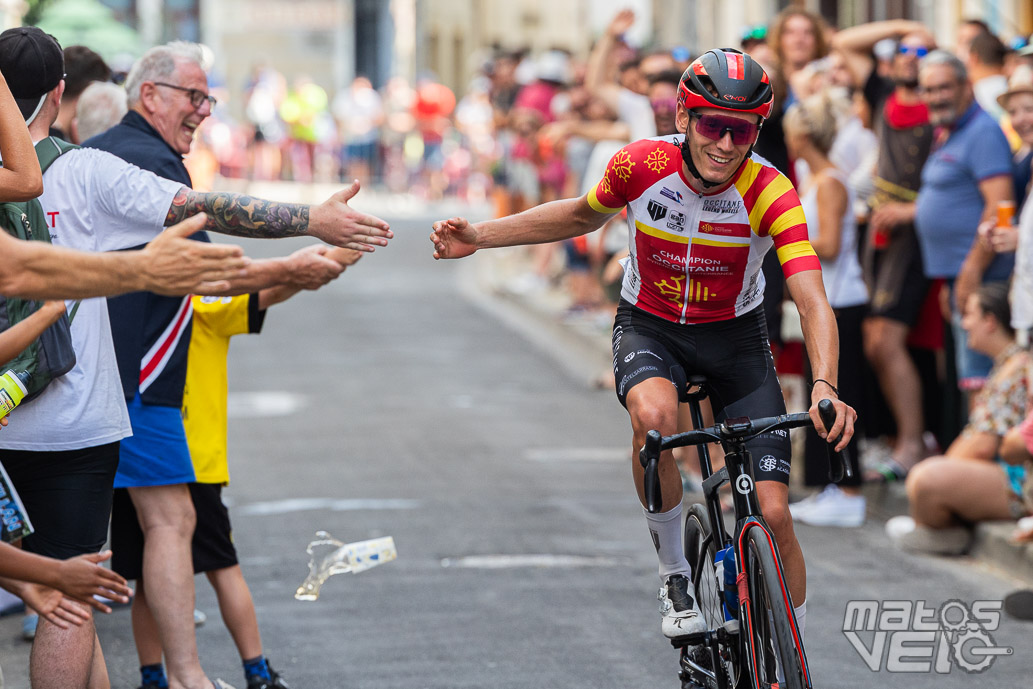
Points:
x=714, y=127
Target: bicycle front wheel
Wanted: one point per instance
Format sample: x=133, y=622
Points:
x=700, y=550
x=774, y=654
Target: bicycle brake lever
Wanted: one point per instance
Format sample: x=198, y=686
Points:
x=649, y=456
x=838, y=466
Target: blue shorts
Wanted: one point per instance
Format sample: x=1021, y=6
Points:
x=1016, y=474
x=157, y=454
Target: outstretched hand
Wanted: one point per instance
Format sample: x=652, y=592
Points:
x=82, y=578
x=345, y=257
x=337, y=223
x=54, y=606
x=174, y=265
x=453, y=238
x=312, y=267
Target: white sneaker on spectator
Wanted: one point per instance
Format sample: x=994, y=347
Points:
x=527, y=284
x=830, y=507
x=907, y=535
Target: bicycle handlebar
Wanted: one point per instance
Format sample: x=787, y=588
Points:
x=737, y=432
x=838, y=467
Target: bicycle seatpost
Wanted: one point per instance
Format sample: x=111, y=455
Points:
x=649, y=456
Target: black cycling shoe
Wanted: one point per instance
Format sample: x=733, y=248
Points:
x=274, y=682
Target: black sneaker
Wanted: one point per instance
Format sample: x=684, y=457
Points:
x=274, y=682
x=681, y=615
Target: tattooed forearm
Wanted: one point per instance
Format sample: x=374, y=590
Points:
x=240, y=215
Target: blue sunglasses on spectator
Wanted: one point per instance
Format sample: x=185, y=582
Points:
x=916, y=50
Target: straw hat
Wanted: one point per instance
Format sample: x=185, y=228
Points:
x=1021, y=82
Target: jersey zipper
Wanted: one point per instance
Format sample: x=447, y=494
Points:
x=692, y=227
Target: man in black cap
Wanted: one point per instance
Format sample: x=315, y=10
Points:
x=62, y=450
x=30, y=87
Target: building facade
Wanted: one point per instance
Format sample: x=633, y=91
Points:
x=331, y=41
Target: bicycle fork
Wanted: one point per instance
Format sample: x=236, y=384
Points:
x=738, y=471
x=746, y=621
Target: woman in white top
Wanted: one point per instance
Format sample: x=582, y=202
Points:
x=811, y=127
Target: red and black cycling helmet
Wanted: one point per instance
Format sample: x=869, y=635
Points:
x=726, y=79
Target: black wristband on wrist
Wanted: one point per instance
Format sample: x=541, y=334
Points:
x=822, y=380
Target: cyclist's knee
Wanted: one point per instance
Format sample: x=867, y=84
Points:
x=653, y=405
x=774, y=505
x=659, y=418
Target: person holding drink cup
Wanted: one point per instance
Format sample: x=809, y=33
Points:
x=1003, y=235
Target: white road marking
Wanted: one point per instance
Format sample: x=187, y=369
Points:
x=530, y=560
x=264, y=403
x=578, y=454
x=331, y=504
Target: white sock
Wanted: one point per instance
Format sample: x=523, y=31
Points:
x=801, y=618
x=666, y=529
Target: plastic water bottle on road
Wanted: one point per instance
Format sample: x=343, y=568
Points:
x=342, y=557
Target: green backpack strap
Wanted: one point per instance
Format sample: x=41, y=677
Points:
x=50, y=149
x=47, y=151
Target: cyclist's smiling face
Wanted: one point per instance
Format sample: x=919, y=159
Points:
x=717, y=160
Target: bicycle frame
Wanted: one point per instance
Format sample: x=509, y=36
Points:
x=738, y=470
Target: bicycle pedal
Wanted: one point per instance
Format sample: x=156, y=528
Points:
x=690, y=640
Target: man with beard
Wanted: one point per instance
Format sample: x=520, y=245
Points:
x=967, y=174
x=892, y=259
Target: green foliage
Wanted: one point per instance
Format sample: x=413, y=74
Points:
x=36, y=8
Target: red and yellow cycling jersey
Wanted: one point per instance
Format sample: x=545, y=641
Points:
x=695, y=257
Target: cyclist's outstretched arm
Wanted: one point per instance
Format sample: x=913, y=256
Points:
x=822, y=340
x=549, y=222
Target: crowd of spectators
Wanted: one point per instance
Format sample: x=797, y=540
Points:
x=912, y=161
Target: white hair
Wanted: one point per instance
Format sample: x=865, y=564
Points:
x=942, y=57
x=101, y=106
x=159, y=64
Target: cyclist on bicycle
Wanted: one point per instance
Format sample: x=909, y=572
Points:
x=702, y=212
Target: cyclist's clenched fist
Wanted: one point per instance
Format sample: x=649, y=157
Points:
x=453, y=238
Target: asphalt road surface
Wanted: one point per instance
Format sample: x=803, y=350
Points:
x=393, y=403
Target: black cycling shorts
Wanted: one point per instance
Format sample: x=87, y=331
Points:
x=733, y=354
x=211, y=546
x=67, y=495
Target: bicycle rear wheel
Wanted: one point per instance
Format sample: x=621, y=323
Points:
x=770, y=638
